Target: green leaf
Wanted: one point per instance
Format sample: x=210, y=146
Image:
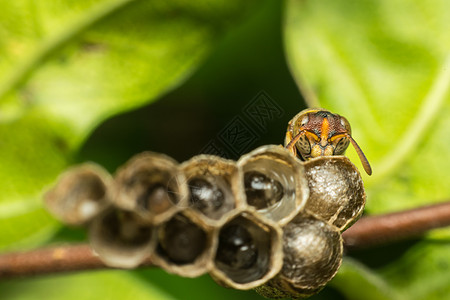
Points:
x=366, y=62
x=200, y=288
x=355, y=281
x=385, y=66
x=68, y=65
x=111, y=285
x=423, y=271
x=33, y=151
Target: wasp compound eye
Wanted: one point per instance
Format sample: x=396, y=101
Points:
x=153, y=185
x=275, y=182
x=336, y=190
x=214, y=185
x=121, y=239
x=184, y=245
x=248, y=252
x=312, y=252
x=81, y=193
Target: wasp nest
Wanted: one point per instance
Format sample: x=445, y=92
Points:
x=268, y=221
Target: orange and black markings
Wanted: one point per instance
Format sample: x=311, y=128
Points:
x=318, y=132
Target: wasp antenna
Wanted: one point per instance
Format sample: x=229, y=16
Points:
x=361, y=155
x=290, y=145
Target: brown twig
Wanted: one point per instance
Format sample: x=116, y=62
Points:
x=382, y=229
x=367, y=232
x=59, y=259
x=51, y=260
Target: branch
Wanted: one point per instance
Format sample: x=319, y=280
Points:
x=59, y=259
x=382, y=229
x=367, y=232
x=52, y=260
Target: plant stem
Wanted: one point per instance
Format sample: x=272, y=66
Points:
x=382, y=229
x=51, y=260
x=67, y=258
x=367, y=232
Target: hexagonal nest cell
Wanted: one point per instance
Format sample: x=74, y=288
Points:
x=248, y=252
x=153, y=185
x=184, y=245
x=275, y=183
x=312, y=251
x=336, y=190
x=80, y=194
x=121, y=238
x=214, y=186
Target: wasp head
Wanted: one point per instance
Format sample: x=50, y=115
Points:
x=318, y=132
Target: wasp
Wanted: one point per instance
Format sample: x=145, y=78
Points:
x=318, y=132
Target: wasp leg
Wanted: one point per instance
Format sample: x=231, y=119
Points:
x=292, y=141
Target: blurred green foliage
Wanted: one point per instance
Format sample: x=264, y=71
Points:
x=79, y=81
